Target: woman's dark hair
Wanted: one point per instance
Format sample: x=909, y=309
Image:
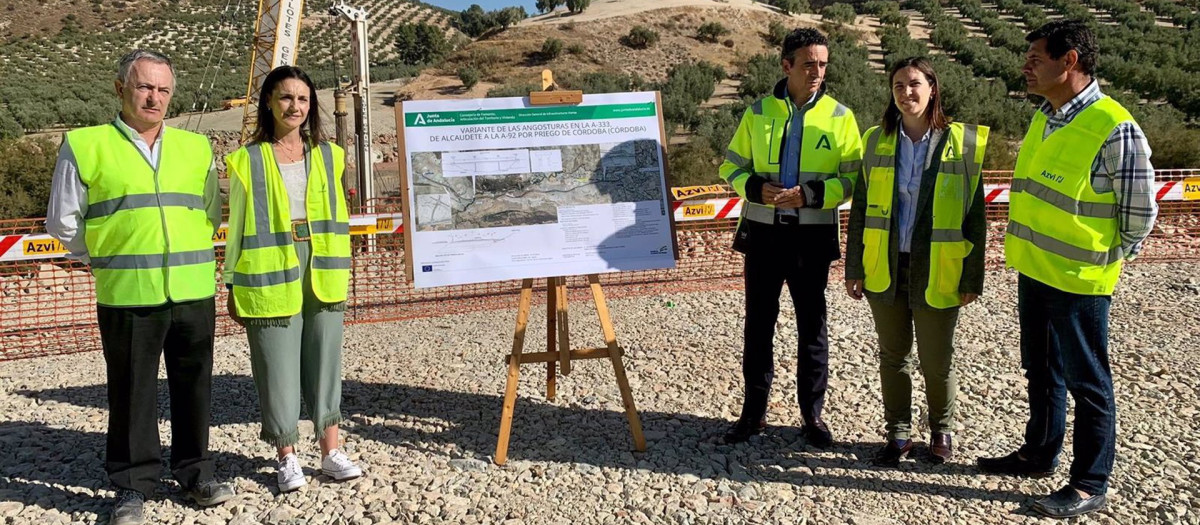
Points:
x=934, y=115
x=264, y=128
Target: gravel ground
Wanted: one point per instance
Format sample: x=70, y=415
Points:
x=422, y=400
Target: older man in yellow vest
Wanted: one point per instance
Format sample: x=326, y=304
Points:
x=1081, y=203
x=793, y=159
x=139, y=202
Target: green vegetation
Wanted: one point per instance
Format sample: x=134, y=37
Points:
x=880, y=7
x=421, y=43
x=578, y=6
x=469, y=76
x=640, y=37
x=545, y=6
x=512, y=90
x=894, y=19
x=788, y=7
x=852, y=81
x=776, y=32
x=897, y=44
x=711, y=32
x=688, y=86
x=986, y=59
x=602, y=82
x=25, y=169
x=551, y=48
x=759, y=75
x=65, y=78
x=475, y=22
x=838, y=12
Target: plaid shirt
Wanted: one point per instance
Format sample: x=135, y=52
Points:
x=1122, y=166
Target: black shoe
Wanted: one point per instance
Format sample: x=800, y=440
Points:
x=1066, y=503
x=742, y=430
x=209, y=493
x=128, y=509
x=817, y=434
x=890, y=455
x=1013, y=465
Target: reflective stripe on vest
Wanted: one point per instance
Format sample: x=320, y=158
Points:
x=957, y=179
x=1060, y=231
x=820, y=158
x=147, y=232
x=267, y=274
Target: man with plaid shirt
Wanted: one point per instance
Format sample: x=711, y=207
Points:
x=1082, y=202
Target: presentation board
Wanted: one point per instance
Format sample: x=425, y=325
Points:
x=498, y=189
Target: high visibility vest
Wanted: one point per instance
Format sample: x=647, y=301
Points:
x=1060, y=231
x=958, y=178
x=757, y=150
x=266, y=276
x=148, y=235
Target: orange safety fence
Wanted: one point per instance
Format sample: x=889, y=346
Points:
x=47, y=302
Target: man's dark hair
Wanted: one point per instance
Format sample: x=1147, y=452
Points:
x=801, y=38
x=1064, y=35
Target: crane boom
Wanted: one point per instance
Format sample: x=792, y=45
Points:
x=276, y=37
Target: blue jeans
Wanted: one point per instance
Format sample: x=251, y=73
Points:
x=1064, y=348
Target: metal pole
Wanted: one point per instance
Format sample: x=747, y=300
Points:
x=362, y=97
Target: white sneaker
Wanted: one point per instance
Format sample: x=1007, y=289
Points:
x=289, y=475
x=339, y=467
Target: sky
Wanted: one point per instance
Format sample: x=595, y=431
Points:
x=487, y=5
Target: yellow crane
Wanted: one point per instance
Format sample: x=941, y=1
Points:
x=276, y=39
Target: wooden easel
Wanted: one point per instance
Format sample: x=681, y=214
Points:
x=558, y=341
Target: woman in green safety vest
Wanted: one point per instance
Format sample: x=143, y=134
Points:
x=287, y=264
x=915, y=248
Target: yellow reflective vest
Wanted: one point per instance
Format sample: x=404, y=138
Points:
x=831, y=152
x=266, y=274
x=958, y=178
x=148, y=235
x=1060, y=231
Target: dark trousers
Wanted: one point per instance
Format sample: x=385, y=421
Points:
x=133, y=339
x=766, y=272
x=896, y=323
x=1064, y=348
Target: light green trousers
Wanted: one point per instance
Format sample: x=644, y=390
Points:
x=298, y=358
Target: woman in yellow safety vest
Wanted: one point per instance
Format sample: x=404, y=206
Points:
x=288, y=268
x=915, y=248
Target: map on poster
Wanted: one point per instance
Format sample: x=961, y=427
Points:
x=499, y=190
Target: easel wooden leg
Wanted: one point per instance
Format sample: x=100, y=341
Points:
x=514, y=371
x=564, y=332
x=551, y=335
x=614, y=354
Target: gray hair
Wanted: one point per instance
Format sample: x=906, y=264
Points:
x=127, y=61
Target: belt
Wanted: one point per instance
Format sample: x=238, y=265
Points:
x=787, y=220
x=300, y=230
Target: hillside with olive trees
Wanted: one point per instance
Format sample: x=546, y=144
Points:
x=708, y=58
